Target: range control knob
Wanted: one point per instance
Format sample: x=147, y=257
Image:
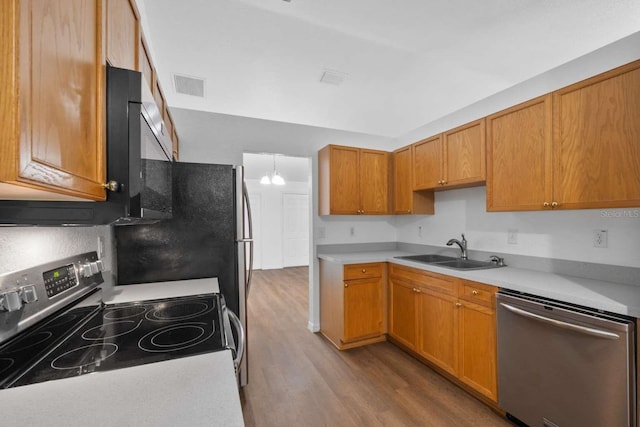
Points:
x=10, y=301
x=28, y=294
x=91, y=268
x=85, y=270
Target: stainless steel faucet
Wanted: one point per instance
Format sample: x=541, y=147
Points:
x=462, y=244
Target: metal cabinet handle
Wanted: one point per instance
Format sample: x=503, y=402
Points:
x=554, y=204
x=364, y=270
x=474, y=292
x=458, y=305
x=560, y=324
x=346, y=285
x=545, y=204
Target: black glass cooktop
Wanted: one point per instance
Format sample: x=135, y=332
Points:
x=118, y=336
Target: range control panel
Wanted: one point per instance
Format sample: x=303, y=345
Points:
x=29, y=295
x=59, y=280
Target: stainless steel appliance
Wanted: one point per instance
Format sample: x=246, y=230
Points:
x=207, y=236
x=562, y=365
x=63, y=329
x=138, y=162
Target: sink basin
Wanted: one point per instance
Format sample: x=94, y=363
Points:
x=466, y=264
x=450, y=262
x=429, y=258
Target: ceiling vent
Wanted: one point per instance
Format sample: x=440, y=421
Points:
x=332, y=77
x=189, y=85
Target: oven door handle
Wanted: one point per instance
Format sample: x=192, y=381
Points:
x=239, y=350
x=560, y=324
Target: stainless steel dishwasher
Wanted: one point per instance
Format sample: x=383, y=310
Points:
x=561, y=365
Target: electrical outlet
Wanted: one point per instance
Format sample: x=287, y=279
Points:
x=100, y=246
x=512, y=237
x=600, y=238
x=419, y=231
x=352, y=231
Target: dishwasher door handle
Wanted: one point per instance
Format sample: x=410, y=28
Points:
x=560, y=324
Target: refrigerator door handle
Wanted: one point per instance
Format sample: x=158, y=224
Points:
x=249, y=237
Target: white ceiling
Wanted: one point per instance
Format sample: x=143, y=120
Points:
x=406, y=62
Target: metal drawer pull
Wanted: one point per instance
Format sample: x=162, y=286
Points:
x=583, y=329
x=364, y=270
x=474, y=292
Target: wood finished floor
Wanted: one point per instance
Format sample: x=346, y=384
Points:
x=297, y=378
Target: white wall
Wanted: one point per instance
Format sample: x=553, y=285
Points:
x=551, y=234
x=25, y=247
x=271, y=243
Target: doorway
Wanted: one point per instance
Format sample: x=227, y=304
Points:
x=280, y=210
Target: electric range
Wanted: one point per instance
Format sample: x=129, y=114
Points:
x=54, y=325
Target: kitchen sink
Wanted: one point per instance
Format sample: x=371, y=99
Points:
x=466, y=264
x=451, y=262
x=428, y=258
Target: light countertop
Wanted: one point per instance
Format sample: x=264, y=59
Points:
x=612, y=297
x=191, y=391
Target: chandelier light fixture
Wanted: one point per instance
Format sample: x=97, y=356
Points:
x=275, y=179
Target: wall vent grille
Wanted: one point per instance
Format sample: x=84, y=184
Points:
x=186, y=85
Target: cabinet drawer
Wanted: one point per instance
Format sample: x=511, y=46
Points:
x=435, y=281
x=478, y=293
x=362, y=271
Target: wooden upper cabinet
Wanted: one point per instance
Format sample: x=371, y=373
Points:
x=145, y=65
x=52, y=104
x=374, y=182
x=175, y=142
x=596, y=154
x=464, y=155
x=352, y=181
x=427, y=163
x=405, y=200
x=123, y=34
x=519, y=170
x=453, y=159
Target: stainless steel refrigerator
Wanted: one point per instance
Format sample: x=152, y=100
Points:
x=209, y=235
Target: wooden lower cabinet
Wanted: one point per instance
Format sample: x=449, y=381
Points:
x=402, y=312
x=352, y=303
x=437, y=325
x=448, y=322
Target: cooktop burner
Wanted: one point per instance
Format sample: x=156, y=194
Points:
x=115, y=336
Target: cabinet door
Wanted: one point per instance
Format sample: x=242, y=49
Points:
x=597, y=141
x=122, y=34
x=362, y=309
x=427, y=163
x=374, y=182
x=402, y=320
x=343, y=177
x=402, y=181
x=519, y=157
x=438, y=329
x=477, y=365
x=464, y=154
x=61, y=97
